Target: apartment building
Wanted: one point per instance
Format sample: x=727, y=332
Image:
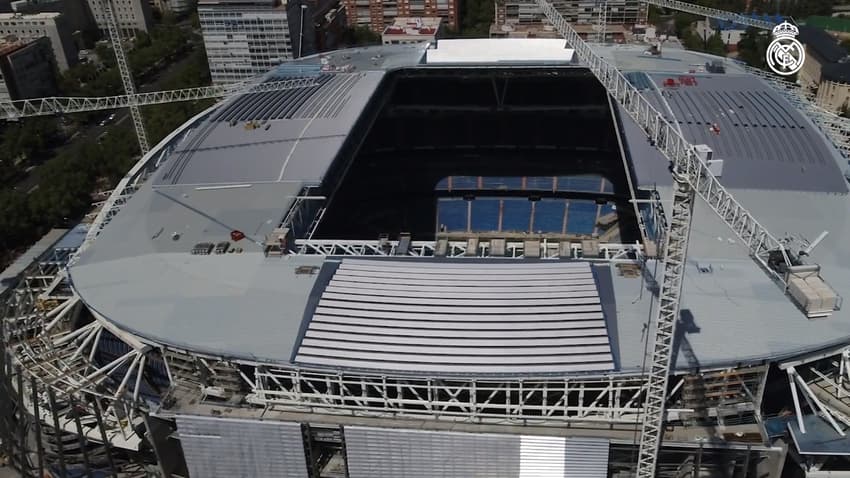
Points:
x=378, y=14
x=28, y=28
x=526, y=17
x=412, y=30
x=244, y=38
x=131, y=15
x=172, y=6
x=27, y=70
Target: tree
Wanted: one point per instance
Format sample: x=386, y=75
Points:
x=753, y=47
x=476, y=15
x=107, y=57
x=360, y=35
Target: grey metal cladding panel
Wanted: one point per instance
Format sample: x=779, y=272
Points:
x=650, y=167
x=326, y=312
x=370, y=327
x=378, y=453
x=383, y=453
x=764, y=141
x=227, y=448
x=471, y=333
x=449, y=341
x=586, y=458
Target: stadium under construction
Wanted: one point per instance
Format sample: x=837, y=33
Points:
x=445, y=260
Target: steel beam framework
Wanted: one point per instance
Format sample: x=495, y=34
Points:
x=553, y=401
x=675, y=255
x=60, y=105
x=548, y=248
x=124, y=71
x=712, y=13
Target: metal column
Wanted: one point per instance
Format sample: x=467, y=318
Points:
x=675, y=250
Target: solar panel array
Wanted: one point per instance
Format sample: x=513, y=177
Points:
x=324, y=100
x=452, y=317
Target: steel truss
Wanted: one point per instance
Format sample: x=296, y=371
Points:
x=612, y=400
x=547, y=248
x=124, y=71
x=675, y=255
x=712, y=13
x=58, y=357
x=60, y=105
x=824, y=384
x=601, y=401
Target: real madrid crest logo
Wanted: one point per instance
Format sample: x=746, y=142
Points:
x=785, y=55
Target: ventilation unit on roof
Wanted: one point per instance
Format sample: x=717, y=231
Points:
x=203, y=248
x=704, y=153
x=715, y=166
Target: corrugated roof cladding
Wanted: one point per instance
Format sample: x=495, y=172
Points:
x=459, y=317
x=291, y=135
x=224, y=447
x=764, y=142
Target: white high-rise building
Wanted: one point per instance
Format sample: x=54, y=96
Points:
x=131, y=15
x=52, y=25
x=244, y=38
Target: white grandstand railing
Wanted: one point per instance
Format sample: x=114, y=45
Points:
x=548, y=248
x=836, y=128
x=60, y=105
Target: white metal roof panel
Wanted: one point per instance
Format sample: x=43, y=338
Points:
x=390, y=323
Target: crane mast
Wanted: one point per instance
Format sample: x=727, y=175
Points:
x=62, y=105
x=126, y=75
x=675, y=255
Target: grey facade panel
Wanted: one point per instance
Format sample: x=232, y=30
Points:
x=586, y=458
x=228, y=448
x=384, y=453
x=379, y=453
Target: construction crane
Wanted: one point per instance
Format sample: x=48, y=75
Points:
x=60, y=105
x=691, y=177
x=126, y=75
x=712, y=13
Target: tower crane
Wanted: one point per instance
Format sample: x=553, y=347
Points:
x=61, y=105
x=691, y=177
x=126, y=75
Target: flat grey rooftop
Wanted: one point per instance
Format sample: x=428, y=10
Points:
x=735, y=313
x=296, y=148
